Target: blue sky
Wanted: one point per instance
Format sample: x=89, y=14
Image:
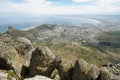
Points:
x=59, y=7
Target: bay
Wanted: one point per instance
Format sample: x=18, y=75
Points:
x=28, y=22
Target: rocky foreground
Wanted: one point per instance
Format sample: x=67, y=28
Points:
x=20, y=60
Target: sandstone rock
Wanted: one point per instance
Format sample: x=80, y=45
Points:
x=41, y=62
x=38, y=78
x=80, y=70
x=93, y=72
x=5, y=38
x=8, y=55
x=104, y=74
x=24, y=48
x=64, y=67
x=84, y=71
x=23, y=40
x=11, y=52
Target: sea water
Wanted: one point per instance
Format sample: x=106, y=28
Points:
x=27, y=22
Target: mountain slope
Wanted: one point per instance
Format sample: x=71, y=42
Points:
x=72, y=42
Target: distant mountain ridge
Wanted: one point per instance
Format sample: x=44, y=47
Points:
x=57, y=33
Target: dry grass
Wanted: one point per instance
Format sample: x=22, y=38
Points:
x=75, y=52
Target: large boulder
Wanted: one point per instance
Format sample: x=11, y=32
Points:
x=104, y=74
x=24, y=48
x=80, y=70
x=93, y=72
x=14, y=53
x=64, y=67
x=42, y=62
x=84, y=71
x=38, y=78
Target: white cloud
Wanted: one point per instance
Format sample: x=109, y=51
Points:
x=79, y=1
x=106, y=3
x=38, y=7
x=29, y=6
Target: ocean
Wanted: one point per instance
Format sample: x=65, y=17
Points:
x=28, y=22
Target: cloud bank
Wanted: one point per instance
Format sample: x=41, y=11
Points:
x=48, y=7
